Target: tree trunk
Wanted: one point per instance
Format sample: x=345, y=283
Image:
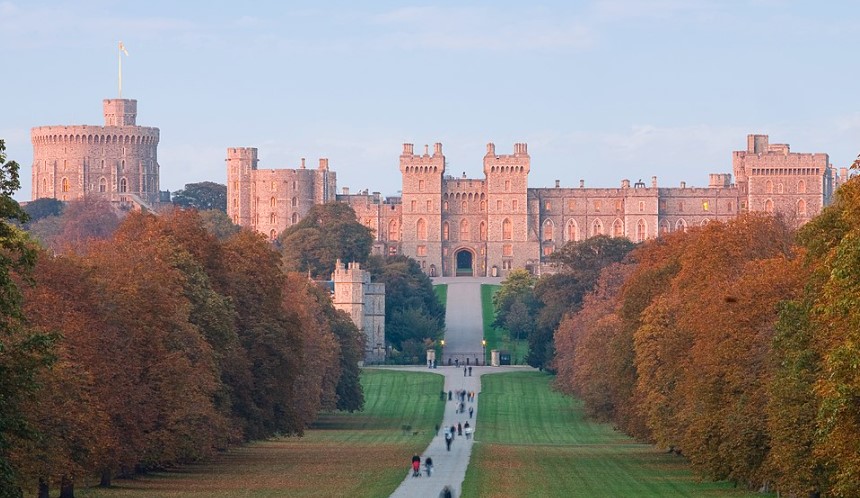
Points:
x=106, y=479
x=67, y=487
x=44, y=492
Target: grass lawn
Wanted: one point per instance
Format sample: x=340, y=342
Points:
x=498, y=338
x=533, y=441
x=357, y=454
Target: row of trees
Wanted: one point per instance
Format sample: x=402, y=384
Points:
x=157, y=344
x=736, y=345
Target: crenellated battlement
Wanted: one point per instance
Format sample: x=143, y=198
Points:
x=426, y=163
x=518, y=162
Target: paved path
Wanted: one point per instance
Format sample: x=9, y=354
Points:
x=449, y=467
x=463, y=321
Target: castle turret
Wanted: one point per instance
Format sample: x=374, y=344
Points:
x=364, y=302
x=422, y=210
x=240, y=162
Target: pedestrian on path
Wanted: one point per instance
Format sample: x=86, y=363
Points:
x=459, y=429
x=471, y=411
x=468, y=430
x=470, y=371
x=416, y=466
x=446, y=492
x=448, y=439
x=428, y=466
x=464, y=371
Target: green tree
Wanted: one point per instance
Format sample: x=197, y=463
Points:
x=43, y=208
x=202, y=196
x=327, y=233
x=23, y=353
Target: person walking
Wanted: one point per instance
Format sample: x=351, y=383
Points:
x=470, y=371
x=464, y=371
x=448, y=439
x=428, y=466
x=459, y=429
x=471, y=411
x=416, y=466
x=446, y=492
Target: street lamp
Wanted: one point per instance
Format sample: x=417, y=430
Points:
x=484, y=349
x=442, y=352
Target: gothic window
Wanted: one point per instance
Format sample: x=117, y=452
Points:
x=421, y=251
x=681, y=225
x=507, y=230
x=421, y=229
x=393, y=233
x=596, y=228
x=514, y=205
x=65, y=185
x=641, y=231
x=102, y=185
x=123, y=185
x=641, y=206
x=768, y=206
x=507, y=185
x=463, y=207
x=483, y=206
x=483, y=228
x=572, y=231
x=445, y=205
x=704, y=222
x=272, y=218
x=729, y=206
x=295, y=218
x=778, y=188
x=273, y=202
x=618, y=228
x=768, y=187
x=801, y=207
x=235, y=202
x=294, y=202
x=664, y=227
x=547, y=230
x=801, y=187
x=464, y=230
x=445, y=231
x=273, y=235
x=44, y=185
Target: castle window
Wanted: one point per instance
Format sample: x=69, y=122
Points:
x=392, y=251
x=44, y=185
x=463, y=208
x=421, y=251
x=596, y=228
x=640, y=231
x=65, y=185
x=464, y=230
x=421, y=185
x=507, y=264
x=122, y=165
x=445, y=205
x=548, y=205
x=801, y=207
x=801, y=187
x=571, y=205
x=273, y=235
x=272, y=218
x=294, y=202
x=779, y=188
x=421, y=229
x=768, y=187
x=547, y=250
x=572, y=231
x=597, y=206
x=429, y=206
x=618, y=229
x=618, y=205
x=483, y=206
x=662, y=205
x=483, y=231
x=274, y=186
x=413, y=206
x=729, y=206
x=514, y=205
x=768, y=206
x=547, y=230
x=507, y=185
x=499, y=205
x=445, y=231
x=507, y=250
x=236, y=219
x=294, y=184
x=664, y=227
x=123, y=185
x=641, y=206
x=681, y=225
x=680, y=206
x=705, y=205
x=235, y=202
x=295, y=218
x=273, y=202
x=393, y=232
x=102, y=185
x=507, y=230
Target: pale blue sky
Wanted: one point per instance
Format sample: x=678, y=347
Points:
x=601, y=90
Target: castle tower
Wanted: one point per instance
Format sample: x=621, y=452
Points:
x=508, y=230
x=241, y=161
x=364, y=302
x=117, y=161
x=421, y=219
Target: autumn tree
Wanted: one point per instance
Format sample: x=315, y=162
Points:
x=328, y=232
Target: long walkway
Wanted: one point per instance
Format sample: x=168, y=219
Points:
x=463, y=335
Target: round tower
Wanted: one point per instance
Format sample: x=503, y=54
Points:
x=118, y=161
x=240, y=162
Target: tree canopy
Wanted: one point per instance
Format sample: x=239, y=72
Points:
x=202, y=196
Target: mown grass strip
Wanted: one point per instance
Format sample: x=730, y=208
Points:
x=345, y=454
x=498, y=338
x=533, y=441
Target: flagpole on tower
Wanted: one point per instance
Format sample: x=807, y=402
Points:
x=121, y=51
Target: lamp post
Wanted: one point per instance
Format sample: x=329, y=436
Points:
x=484, y=349
x=442, y=352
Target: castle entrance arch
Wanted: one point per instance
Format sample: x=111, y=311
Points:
x=465, y=263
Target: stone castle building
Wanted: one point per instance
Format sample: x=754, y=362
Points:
x=117, y=161
x=486, y=227
x=364, y=302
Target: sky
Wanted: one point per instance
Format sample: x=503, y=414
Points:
x=601, y=90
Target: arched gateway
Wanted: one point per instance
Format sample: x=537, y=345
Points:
x=465, y=262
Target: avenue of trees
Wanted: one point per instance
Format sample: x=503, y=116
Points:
x=736, y=345
x=144, y=342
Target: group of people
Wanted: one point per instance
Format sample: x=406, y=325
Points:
x=416, y=466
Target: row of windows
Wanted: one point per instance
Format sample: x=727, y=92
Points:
x=768, y=187
x=65, y=186
x=96, y=139
x=421, y=230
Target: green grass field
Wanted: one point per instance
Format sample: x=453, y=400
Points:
x=357, y=455
x=533, y=441
x=498, y=338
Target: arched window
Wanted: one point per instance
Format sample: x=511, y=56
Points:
x=768, y=206
x=44, y=185
x=507, y=185
x=295, y=218
x=464, y=230
x=801, y=207
x=641, y=231
x=235, y=202
x=393, y=232
x=681, y=225
x=65, y=185
x=618, y=228
x=294, y=202
x=778, y=188
x=272, y=218
x=483, y=228
x=273, y=202
x=768, y=187
x=704, y=222
x=123, y=185
x=547, y=230
x=483, y=206
x=273, y=235
x=514, y=205
x=665, y=227
x=102, y=185
x=445, y=231
x=801, y=187
x=507, y=229
x=572, y=231
x=421, y=229
x=596, y=228
x=463, y=207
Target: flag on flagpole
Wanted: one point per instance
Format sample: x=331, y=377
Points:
x=122, y=49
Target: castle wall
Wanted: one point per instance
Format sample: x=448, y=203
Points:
x=364, y=302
